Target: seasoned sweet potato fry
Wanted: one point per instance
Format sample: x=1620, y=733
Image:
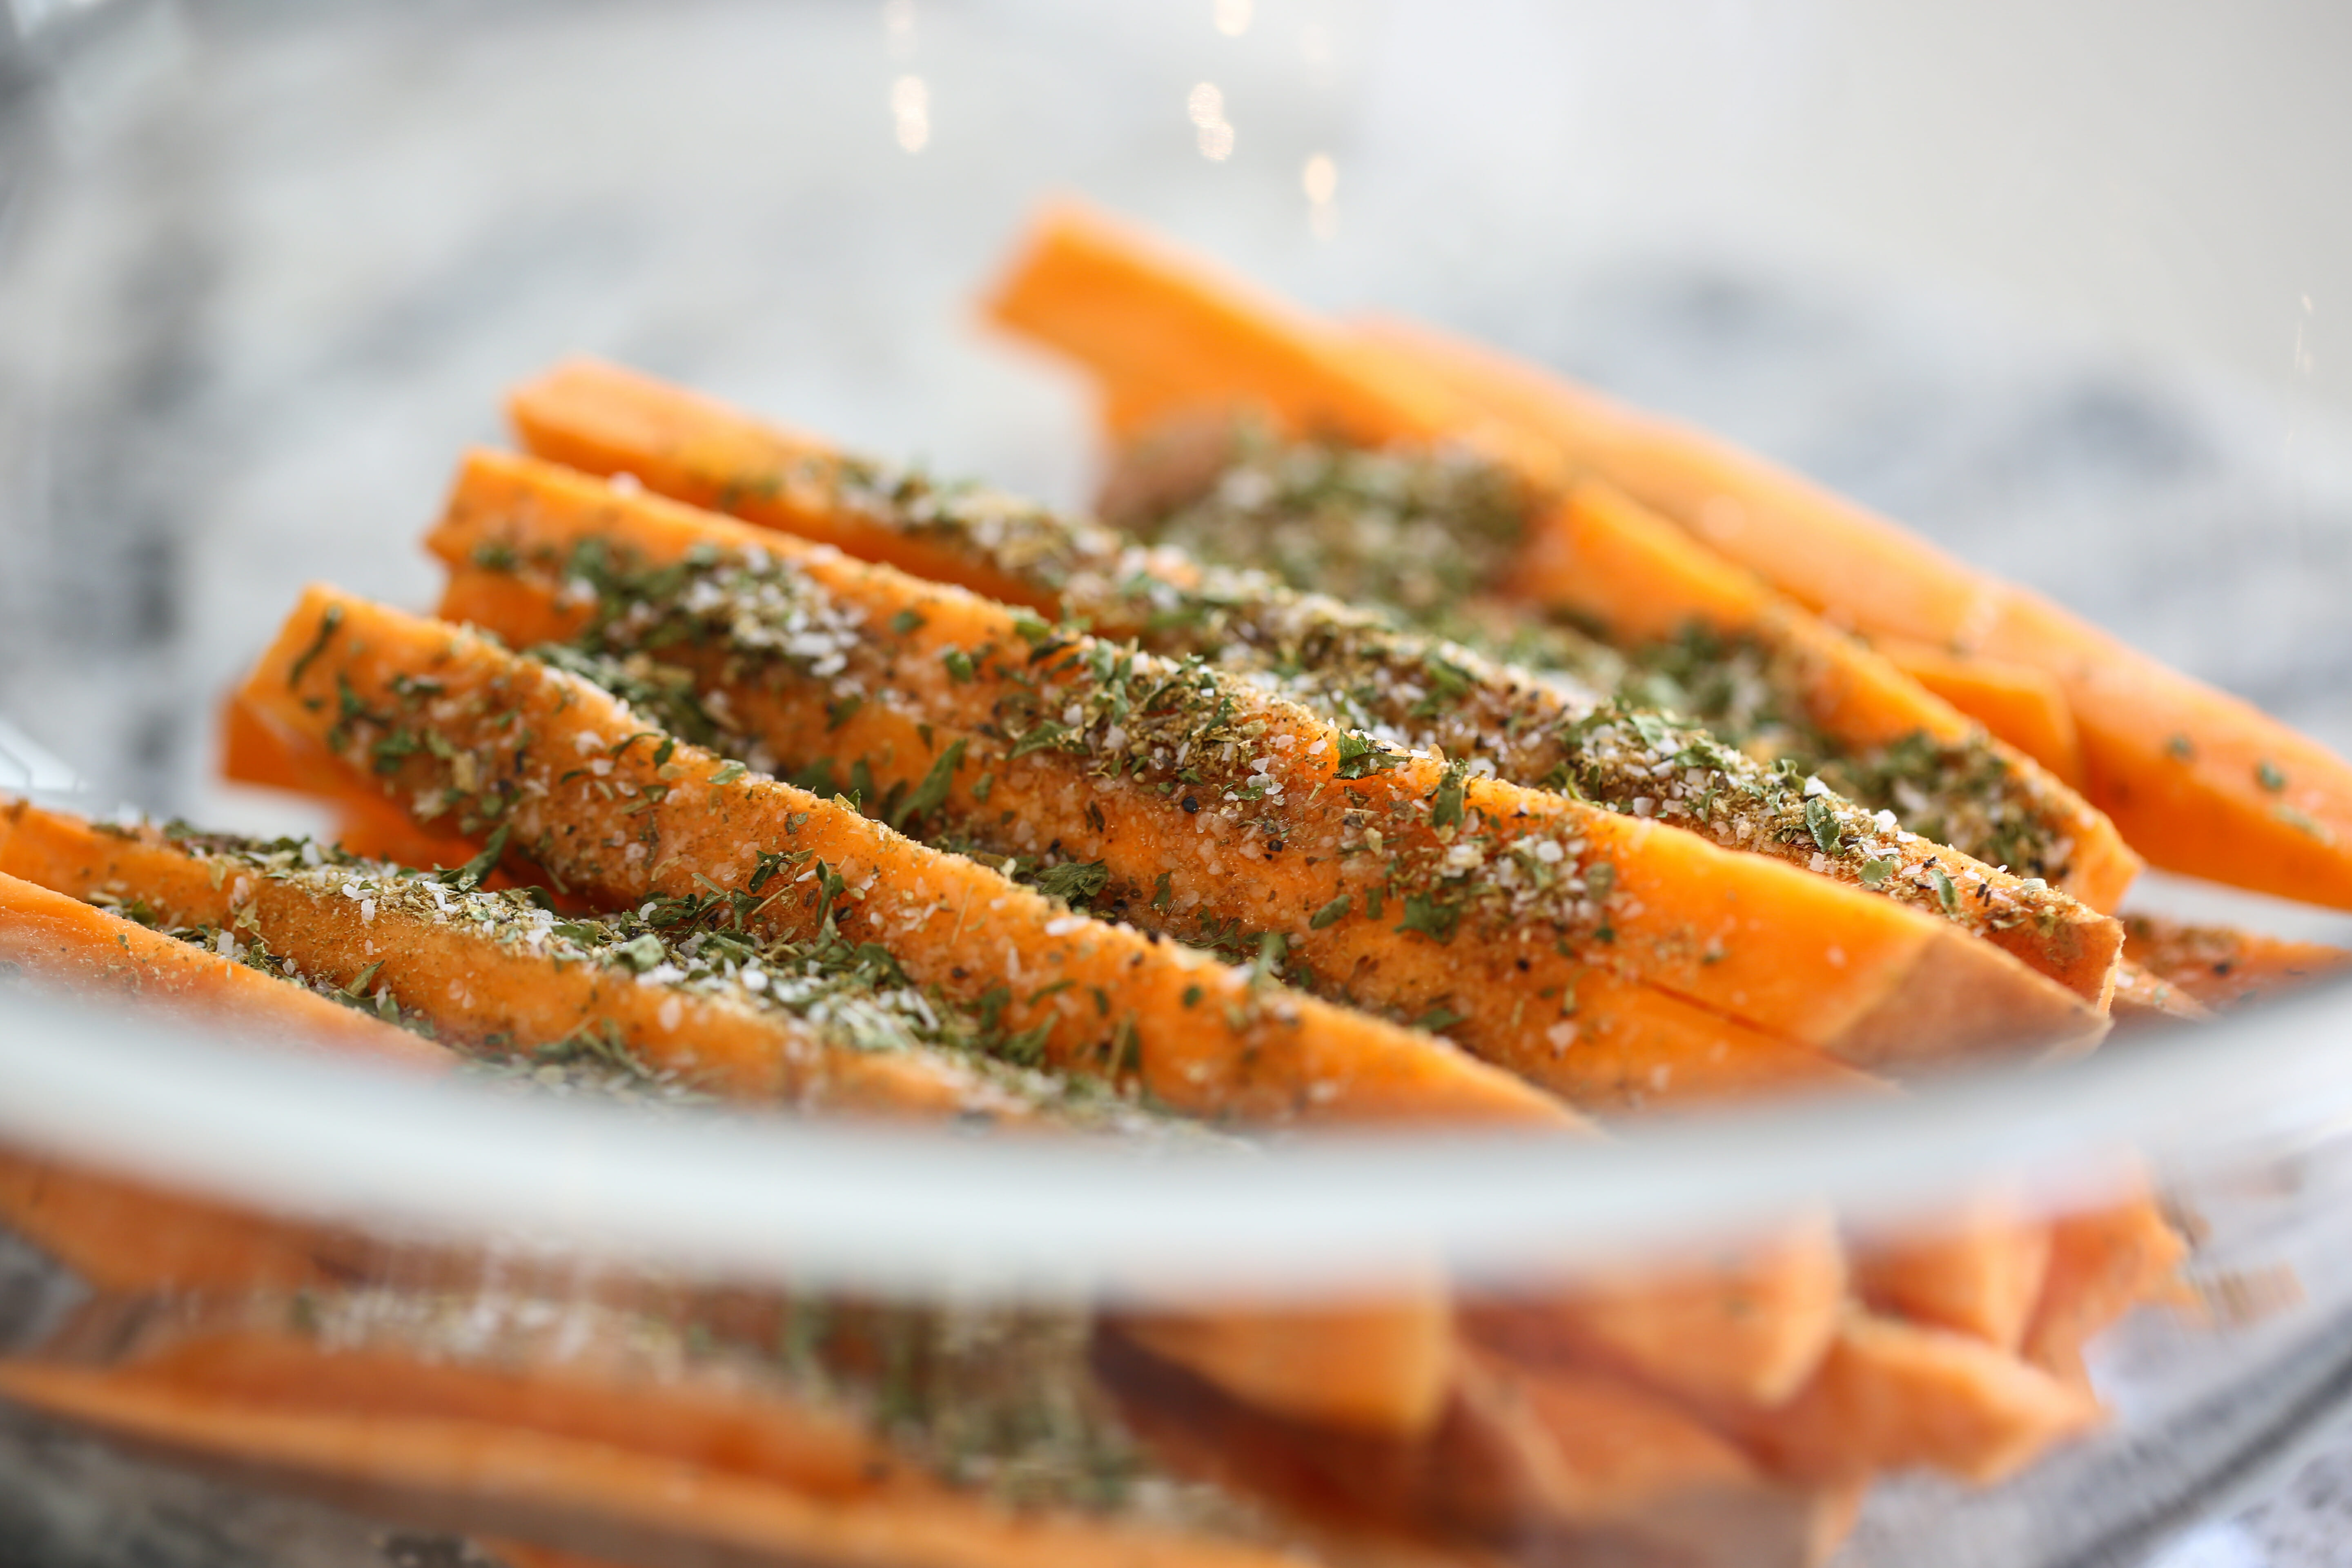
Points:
x=2220, y=966
x=1346, y=665
x=1747, y=1329
x=2103, y=1263
x=2142, y=998
x=2022, y=705
x=523, y=739
x=914, y=650
x=1978, y=1271
x=491, y=974
x=72, y=944
x=1384, y=1367
x=571, y=1457
x=1893, y=1396
x=125, y=1236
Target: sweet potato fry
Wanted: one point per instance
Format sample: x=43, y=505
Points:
x=1383, y=1367
x=125, y=1236
x=2222, y=967
x=2196, y=780
x=1893, y=1396
x=1188, y=337
x=72, y=944
x=2103, y=1263
x=2141, y=999
x=1748, y=1328
x=916, y=643
x=1978, y=1271
x=2021, y=704
x=522, y=739
x=487, y=972
x=565, y=1456
x=1343, y=664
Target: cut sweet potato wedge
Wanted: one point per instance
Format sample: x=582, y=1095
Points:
x=2022, y=705
x=574, y=1460
x=483, y=979
x=522, y=737
x=1978, y=1271
x=124, y=1236
x=1384, y=1367
x=68, y=943
x=2141, y=999
x=1893, y=1396
x=1189, y=337
x=2221, y=966
x=913, y=634
x=1750, y=1328
x=2103, y=1263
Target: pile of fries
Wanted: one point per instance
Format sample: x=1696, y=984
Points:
x=1419, y=740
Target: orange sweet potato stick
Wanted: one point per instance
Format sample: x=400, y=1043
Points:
x=2198, y=781
x=254, y=751
x=72, y=944
x=2221, y=966
x=2103, y=1263
x=1749, y=1328
x=499, y=987
x=570, y=1458
x=604, y=419
x=1671, y=936
x=524, y=742
x=1896, y=1395
x=1185, y=337
x=1978, y=1271
x=2021, y=704
x=125, y=1236
x=2142, y=998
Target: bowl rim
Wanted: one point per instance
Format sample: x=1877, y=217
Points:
x=765, y=1196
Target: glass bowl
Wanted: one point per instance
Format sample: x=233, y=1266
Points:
x=267, y=269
